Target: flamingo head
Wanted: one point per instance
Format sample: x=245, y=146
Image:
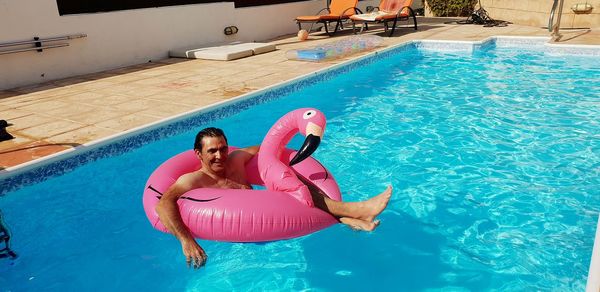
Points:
x=311, y=123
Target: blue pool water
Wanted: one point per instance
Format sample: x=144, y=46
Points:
x=494, y=156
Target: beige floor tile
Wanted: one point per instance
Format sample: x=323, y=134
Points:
x=157, y=72
x=84, y=97
x=260, y=82
x=201, y=88
x=23, y=100
x=127, y=122
x=136, y=105
x=29, y=121
x=106, y=100
x=117, y=88
x=82, y=135
x=98, y=84
x=175, y=84
x=62, y=91
x=69, y=110
x=125, y=78
x=51, y=129
x=173, y=97
x=147, y=91
x=180, y=75
x=97, y=116
x=9, y=114
x=165, y=110
x=45, y=105
x=149, y=81
x=199, y=78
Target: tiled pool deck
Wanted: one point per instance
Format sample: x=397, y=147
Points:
x=55, y=116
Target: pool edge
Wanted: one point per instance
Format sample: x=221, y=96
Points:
x=593, y=281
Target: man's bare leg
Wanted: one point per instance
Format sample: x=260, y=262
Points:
x=358, y=224
x=358, y=215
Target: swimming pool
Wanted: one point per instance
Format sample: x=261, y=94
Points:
x=493, y=154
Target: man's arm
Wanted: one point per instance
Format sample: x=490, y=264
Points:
x=245, y=154
x=168, y=213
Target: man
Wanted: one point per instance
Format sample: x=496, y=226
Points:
x=227, y=171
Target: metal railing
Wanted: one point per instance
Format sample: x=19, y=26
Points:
x=5, y=252
x=37, y=44
x=554, y=28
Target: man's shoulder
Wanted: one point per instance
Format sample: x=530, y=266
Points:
x=242, y=155
x=191, y=180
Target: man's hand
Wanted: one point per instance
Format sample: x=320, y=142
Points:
x=194, y=254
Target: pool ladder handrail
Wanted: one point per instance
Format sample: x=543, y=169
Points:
x=554, y=28
x=5, y=252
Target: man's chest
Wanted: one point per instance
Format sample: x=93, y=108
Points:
x=230, y=182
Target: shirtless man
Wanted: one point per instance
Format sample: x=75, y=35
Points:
x=227, y=171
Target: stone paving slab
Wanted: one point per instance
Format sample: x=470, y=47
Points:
x=58, y=115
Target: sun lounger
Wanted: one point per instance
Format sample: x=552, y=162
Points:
x=225, y=52
x=337, y=11
x=388, y=11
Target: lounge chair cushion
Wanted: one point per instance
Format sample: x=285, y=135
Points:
x=377, y=16
x=339, y=9
x=315, y=18
x=223, y=53
x=257, y=48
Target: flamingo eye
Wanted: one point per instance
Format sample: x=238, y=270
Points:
x=309, y=114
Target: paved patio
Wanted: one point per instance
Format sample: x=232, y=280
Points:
x=55, y=116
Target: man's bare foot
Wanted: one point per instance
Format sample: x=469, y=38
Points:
x=358, y=224
x=375, y=205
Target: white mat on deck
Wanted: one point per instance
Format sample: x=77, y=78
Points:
x=225, y=52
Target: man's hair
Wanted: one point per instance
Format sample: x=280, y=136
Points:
x=207, y=132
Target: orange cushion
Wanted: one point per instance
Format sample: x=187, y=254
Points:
x=394, y=5
x=308, y=18
x=315, y=18
x=338, y=7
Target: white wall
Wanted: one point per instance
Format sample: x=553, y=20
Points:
x=122, y=38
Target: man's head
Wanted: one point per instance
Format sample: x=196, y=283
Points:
x=212, y=149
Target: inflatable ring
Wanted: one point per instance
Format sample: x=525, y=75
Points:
x=284, y=210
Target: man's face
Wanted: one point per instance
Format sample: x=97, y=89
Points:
x=214, y=154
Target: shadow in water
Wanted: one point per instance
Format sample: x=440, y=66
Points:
x=403, y=254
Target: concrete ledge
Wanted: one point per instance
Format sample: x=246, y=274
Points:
x=593, y=282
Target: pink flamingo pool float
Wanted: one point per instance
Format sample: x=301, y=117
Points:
x=284, y=210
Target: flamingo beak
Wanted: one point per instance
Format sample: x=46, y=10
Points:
x=311, y=143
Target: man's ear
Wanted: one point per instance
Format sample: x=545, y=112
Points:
x=197, y=152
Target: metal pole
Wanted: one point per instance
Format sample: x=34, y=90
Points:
x=556, y=26
x=62, y=38
x=33, y=49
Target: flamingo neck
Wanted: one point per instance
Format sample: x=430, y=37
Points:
x=278, y=137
